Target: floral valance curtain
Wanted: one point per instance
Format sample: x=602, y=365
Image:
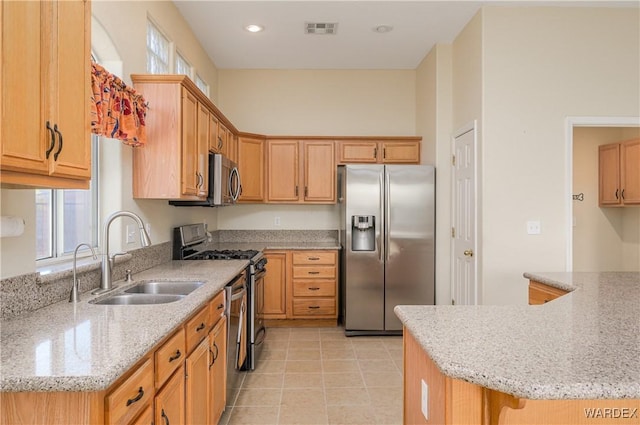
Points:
x=117, y=111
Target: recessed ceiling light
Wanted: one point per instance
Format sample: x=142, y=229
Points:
x=254, y=28
x=383, y=28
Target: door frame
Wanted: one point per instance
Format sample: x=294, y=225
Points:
x=470, y=126
x=570, y=123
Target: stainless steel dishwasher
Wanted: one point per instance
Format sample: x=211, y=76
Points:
x=236, y=312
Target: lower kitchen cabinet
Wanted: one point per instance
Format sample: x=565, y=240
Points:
x=197, y=384
x=301, y=285
x=539, y=293
x=170, y=401
x=130, y=397
x=275, y=285
x=217, y=370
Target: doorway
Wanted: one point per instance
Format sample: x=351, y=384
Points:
x=598, y=239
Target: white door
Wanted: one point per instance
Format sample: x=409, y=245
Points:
x=464, y=221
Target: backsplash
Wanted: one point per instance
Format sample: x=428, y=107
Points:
x=275, y=235
x=21, y=294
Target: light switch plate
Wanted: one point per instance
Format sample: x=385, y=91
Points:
x=425, y=400
x=533, y=228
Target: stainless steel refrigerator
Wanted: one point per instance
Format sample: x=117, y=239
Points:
x=388, y=243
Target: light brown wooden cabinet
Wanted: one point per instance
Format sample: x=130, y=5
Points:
x=170, y=401
x=275, y=285
x=378, y=152
x=197, y=384
x=45, y=86
x=251, y=167
x=217, y=397
x=539, y=293
x=174, y=162
x=132, y=396
x=619, y=174
x=313, y=285
x=300, y=171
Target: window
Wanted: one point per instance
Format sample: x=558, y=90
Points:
x=182, y=66
x=202, y=85
x=66, y=217
x=158, y=50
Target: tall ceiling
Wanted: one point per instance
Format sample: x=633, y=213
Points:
x=416, y=27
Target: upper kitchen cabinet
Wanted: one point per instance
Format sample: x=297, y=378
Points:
x=45, y=92
x=301, y=171
x=173, y=163
x=392, y=151
x=251, y=167
x=619, y=173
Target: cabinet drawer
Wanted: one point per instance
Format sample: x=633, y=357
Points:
x=169, y=357
x=197, y=328
x=314, y=307
x=314, y=257
x=130, y=397
x=314, y=272
x=314, y=288
x=216, y=308
x=539, y=293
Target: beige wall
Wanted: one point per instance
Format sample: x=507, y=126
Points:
x=292, y=217
x=603, y=238
x=433, y=123
x=541, y=65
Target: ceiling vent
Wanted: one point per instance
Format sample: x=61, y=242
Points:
x=320, y=27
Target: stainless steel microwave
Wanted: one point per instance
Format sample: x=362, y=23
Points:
x=224, y=184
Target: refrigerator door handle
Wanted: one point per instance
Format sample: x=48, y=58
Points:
x=387, y=215
x=381, y=243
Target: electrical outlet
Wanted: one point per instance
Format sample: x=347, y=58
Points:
x=131, y=233
x=276, y=221
x=425, y=400
x=533, y=228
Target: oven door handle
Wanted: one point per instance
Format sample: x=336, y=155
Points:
x=259, y=275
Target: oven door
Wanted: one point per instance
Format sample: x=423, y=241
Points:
x=258, y=331
x=236, y=311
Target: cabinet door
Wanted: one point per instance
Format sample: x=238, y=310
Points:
x=609, y=174
x=25, y=138
x=203, y=151
x=218, y=370
x=214, y=142
x=630, y=172
x=223, y=136
x=401, y=152
x=71, y=88
x=251, y=167
x=275, y=286
x=363, y=152
x=197, y=384
x=320, y=172
x=282, y=171
x=189, y=143
x=169, y=402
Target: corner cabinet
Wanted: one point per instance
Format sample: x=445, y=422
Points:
x=173, y=163
x=45, y=91
x=619, y=174
x=301, y=171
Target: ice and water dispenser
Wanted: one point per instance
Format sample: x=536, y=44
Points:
x=363, y=230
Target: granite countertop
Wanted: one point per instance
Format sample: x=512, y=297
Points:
x=583, y=345
x=86, y=347
x=262, y=245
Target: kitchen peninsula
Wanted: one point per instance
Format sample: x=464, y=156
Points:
x=573, y=360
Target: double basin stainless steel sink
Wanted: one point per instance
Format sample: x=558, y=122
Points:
x=152, y=292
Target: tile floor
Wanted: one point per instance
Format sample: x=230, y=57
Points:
x=319, y=376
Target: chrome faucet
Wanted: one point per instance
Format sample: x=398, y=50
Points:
x=108, y=262
x=74, y=296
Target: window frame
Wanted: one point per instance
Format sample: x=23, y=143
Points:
x=151, y=53
x=206, y=86
x=179, y=56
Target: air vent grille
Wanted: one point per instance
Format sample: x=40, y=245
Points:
x=321, y=28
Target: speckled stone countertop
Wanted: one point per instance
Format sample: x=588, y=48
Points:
x=261, y=246
x=86, y=347
x=583, y=345
x=275, y=239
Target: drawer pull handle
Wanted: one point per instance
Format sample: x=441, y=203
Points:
x=55, y=129
x=313, y=258
x=53, y=140
x=314, y=272
x=215, y=357
x=314, y=307
x=213, y=360
x=136, y=398
x=201, y=327
x=314, y=288
x=220, y=306
x=165, y=417
x=175, y=356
